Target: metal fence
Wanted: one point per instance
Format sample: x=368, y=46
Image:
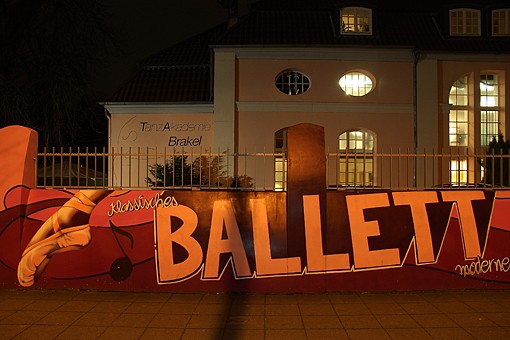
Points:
x=152, y=168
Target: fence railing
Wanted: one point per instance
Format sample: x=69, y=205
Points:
x=152, y=168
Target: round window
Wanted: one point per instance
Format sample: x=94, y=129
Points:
x=356, y=84
x=292, y=82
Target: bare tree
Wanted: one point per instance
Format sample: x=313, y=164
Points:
x=48, y=51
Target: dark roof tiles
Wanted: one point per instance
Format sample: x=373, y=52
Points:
x=181, y=73
x=168, y=84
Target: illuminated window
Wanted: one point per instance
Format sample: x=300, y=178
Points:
x=501, y=22
x=489, y=108
x=464, y=21
x=356, y=161
x=292, y=82
x=356, y=20
x=280, y=160
x=459, y=114
x=458, y=172
x=467, y=108
x=356, y=84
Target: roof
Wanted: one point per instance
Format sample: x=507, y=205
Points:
x=178, y=74
x=182, y=73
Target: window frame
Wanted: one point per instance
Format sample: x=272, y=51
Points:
x=292, y=87
x=357, y=14
x=489, y=109
x=506, y=22
x=459, y=106
x=481, y=99
x=280, y=160
x=352, y=91
x=464, y=25
x=354, y=161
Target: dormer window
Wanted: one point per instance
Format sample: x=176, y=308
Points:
x=464, y=21
x=501, y=22
x=356, y=20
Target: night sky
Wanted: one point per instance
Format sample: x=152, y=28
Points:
x=144, y=27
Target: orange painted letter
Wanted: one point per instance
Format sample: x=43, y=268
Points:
x=423, y=238
x=361, y=230
x=223, y=215
x=315, y=258
x=467, y=220
x=167, y=268
x=262, y=247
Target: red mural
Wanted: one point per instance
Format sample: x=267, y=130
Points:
x=227, y=240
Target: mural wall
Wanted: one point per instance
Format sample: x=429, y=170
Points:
x=190, y=241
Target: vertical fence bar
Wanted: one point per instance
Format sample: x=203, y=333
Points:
x=69, y=166
x=121, y=155
x=112, y=167
x=500, y=168
x=78, y=165
x=407, y=167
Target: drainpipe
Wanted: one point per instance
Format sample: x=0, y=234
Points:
x=108, y=117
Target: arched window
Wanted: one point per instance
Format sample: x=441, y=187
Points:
x=463, y=117
x=356, y=161
x=459, y=115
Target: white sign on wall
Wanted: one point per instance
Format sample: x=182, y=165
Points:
x=142, y=141
x=162, y=130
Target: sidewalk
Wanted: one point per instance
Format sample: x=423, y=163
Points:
x=70, y=314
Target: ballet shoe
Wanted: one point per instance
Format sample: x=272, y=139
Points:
x=39, y=251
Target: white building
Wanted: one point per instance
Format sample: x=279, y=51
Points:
x=377, y=77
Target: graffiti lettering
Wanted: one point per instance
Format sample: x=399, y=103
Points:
x=480, y=266
x=141, y=202
x=370, y=247
x=167, y=268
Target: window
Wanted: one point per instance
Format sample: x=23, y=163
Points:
x=356, y=20
x=292, y=82
x=356, y=161
x=475, y=105
x=355, y=84
x=459, y=115
x=501, y=22
x=458, y=171
x=464, y=21
x=280, y=160
x=489, y=109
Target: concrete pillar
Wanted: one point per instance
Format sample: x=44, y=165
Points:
x=18, y=153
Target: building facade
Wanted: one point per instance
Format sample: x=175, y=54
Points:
x=379, y=78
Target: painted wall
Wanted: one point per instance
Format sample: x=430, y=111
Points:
x=303, y=240
x=186, y=241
